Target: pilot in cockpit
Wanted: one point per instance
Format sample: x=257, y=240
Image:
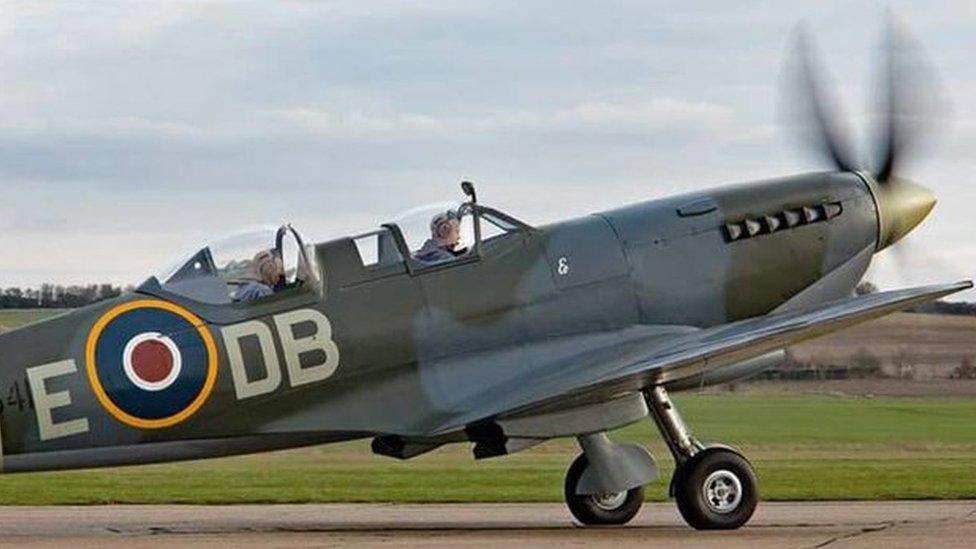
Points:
x=445, y=235
x=267, y=276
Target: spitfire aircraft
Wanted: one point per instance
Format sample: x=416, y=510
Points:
x=530, y=333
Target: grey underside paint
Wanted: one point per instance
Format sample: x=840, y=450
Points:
x=727, y=374
x=164, y=451
x=578, y=420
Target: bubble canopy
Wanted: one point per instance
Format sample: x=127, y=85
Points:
x=214, y=273
x=416, y=225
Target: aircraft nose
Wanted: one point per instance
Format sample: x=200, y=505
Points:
x=902, y=205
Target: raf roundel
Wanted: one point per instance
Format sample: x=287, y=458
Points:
x=151, y=363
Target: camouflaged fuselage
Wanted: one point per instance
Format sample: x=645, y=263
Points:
x=696, y=260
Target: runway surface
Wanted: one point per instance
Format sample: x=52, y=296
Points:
x=830, y=524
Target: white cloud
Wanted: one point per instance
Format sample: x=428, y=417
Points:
x=667, y=117
x=129, y=130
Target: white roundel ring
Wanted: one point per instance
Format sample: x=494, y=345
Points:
x=152, y=361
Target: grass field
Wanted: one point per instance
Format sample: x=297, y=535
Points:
x=928, y=345
x=803, y=447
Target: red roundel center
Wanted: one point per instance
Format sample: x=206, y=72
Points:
x=152, y=360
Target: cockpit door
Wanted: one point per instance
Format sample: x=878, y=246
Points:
x=584, y=251
x=591, y=279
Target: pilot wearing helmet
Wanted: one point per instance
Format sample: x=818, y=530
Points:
x=445, y=234
x=267, y=277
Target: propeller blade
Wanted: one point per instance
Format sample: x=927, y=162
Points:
x=909, y=98
x=817, y=109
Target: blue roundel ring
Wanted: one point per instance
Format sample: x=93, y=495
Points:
x=151, y=363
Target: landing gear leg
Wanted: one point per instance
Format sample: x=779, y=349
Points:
x=714, y=486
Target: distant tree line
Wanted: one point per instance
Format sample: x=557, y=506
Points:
x=960, y=308
x=861, y=365
x=55, y=296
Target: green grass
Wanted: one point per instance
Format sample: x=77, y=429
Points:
x=803, y=447
x=826, y=419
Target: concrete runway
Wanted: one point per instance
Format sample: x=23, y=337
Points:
x=834, y=524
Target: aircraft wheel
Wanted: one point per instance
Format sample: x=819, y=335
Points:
x=600, y=509
x=716, y=489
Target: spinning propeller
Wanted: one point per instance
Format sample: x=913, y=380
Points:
x=907, y=100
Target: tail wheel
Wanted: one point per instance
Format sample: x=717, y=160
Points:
x=600, y=509
x=716, y=490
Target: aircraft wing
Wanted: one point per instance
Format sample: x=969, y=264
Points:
x=595, y=366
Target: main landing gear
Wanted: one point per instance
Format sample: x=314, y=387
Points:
x=714, y=486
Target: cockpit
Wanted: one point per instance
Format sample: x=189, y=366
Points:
x=262, y=264
x=436, y=235
x=253, y=265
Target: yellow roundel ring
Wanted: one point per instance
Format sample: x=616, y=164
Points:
x=151, y=363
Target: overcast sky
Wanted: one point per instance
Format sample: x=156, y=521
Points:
x=130, y=132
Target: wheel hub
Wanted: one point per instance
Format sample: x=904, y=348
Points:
x=722, y=491
x=609, y=501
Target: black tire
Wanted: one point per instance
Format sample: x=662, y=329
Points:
x=733, y=495
x=594, y=510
